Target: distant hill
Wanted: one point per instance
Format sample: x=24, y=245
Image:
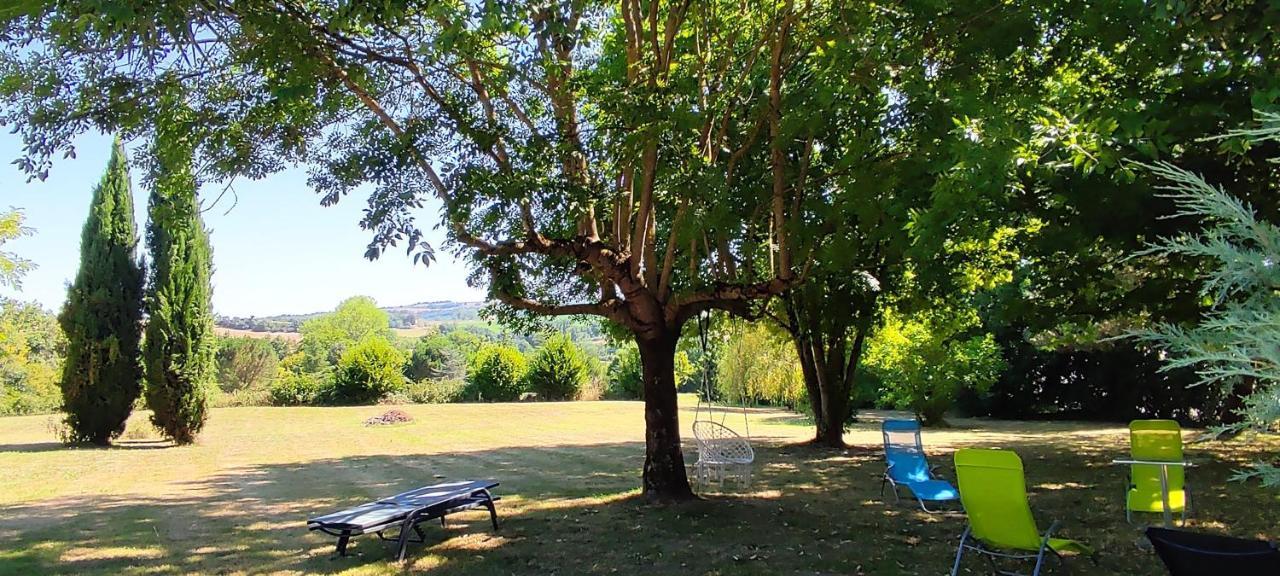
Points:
x=439, y=311
x=406, y=316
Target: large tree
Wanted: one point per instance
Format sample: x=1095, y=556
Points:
x=893, y=87
x=326, y=337
x=102, y=318
x=178, y=352
x=1047, y=180
x=638, y=161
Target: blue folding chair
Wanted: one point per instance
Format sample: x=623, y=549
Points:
x=908, y=467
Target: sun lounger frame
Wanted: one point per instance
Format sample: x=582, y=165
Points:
x=469, y=496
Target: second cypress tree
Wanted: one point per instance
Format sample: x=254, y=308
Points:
x=179, y=348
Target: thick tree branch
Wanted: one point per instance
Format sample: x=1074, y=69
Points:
x=729, y=297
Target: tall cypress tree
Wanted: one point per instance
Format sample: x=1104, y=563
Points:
x=102, y=317
x=179, y=348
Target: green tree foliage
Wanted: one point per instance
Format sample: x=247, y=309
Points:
x=1237, y=342
x=326, y=338
x=245, y=362
x=296, y=389
x=625, y=378
x=437, y=357
x=558, y=370
x=179, y=348
x=12, y=267
x=31, y=351
x=1045, y=156
x=367, y=371
x=102, y=317
x=756, y=366
x=497, y=373
x=610, y=155
x=925, y=359
x=625, y=374
x=436, y=391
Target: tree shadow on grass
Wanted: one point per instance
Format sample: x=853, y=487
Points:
x=33, y=447
x=575, y=510
x=118, y=445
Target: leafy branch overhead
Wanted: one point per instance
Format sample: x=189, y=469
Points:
x=641, y=161
x=1235, y=343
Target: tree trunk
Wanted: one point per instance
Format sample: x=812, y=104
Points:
x=830, y=420
x=821, y=341
x=664, y=473
x=836, y=388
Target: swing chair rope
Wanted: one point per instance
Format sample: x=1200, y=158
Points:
x=703, y=319
x=704, y=325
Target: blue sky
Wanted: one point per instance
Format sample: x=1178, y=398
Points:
x=277, y=251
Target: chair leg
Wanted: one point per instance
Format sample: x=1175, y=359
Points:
x=926, y=508
x=493, y=513
x=1039, y=560
x=955, y=568
x=404, y=545
x=1186, y=504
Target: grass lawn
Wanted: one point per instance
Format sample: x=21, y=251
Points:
x=236, y=502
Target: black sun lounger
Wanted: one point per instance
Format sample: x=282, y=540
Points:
x=405, y=511
x=1195, y=554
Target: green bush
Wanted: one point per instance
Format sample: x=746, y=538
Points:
x=436, y=357
x=597, y=378
x=31, y=351
x=625, y=375
x=293, y=389
x=33, y=390
x=497, y=373
x=368, y=371
x=925, y=360
x=558, y=370
x=245, y=362
x=436, y=391
x=256, y=396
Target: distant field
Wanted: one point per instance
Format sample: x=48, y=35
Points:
x=234, y=332
x=236, y=502
x=414, y=332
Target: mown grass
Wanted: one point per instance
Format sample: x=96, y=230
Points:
x=236, y=502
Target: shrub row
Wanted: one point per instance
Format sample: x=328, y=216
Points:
x=374, y=370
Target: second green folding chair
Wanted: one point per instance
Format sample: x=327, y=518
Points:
x=1157, y=441
x=994, y=493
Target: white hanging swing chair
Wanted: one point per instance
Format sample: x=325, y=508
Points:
x=722, y=452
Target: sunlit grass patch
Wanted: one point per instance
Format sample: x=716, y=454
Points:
x=82, y=554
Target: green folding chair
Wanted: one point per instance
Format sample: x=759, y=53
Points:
x=1156, y=441
x=994, y=494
